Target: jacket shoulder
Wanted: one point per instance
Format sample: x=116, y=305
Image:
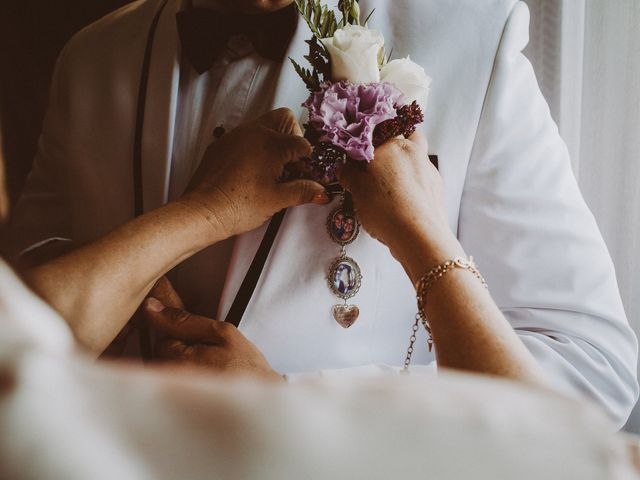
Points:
x=119, y=34
x=488, y=17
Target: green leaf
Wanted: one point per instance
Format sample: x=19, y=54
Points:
x=318, y=12
x=318, y=58
x=311, y=79
x=321, y=20
x=368, y=17
x=350, y=12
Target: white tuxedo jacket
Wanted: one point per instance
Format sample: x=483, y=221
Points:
x=511, y=196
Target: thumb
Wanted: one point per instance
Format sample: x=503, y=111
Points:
x=179, y=324
x=300, y=192
x=281, y=120
x=165, y=319
x=163, y=290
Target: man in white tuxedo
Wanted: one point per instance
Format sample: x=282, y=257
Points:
x=129, y=108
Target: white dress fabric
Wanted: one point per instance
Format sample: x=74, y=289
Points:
x=63, y=417
x=510, y=195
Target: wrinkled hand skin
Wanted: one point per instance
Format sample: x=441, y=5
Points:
x=200, y=342
x=238, y=185
x=399, y=198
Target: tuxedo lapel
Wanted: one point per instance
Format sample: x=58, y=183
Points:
x=160, y=110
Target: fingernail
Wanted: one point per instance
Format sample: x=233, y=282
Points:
x=154, y=305
x=321, y=198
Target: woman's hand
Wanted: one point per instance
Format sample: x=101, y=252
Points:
x=238, y=184
x=399, y=200
x=98, y=287
x=200, y=342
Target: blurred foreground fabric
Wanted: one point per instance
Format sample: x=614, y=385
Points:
x=63, y=416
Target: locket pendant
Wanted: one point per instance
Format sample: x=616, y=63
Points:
x=344, y=276
x=345, y=279
x=343, y=226
x=346, y=315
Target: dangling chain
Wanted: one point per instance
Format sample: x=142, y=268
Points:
x=413, y=338
x=422, y=287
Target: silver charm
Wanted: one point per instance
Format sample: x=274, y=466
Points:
x=343, y=226
x=346, y=315
x=344, y=277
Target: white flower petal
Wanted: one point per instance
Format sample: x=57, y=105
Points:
x=353, y=51
x=410, y=78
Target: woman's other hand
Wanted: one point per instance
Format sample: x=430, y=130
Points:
x=200, y=342
x=239, y=186
x=399, y=200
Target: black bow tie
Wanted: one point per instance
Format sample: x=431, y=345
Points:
x=204, y=33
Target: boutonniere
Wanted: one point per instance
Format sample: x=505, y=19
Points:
x=359, y=98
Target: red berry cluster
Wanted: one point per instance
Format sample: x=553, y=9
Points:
x=327, y=158
x=325, y=161
x=409, y=117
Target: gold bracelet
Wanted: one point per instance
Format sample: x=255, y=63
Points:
x=422, y=287
x=430, y=278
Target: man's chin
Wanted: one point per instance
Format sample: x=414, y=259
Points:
x=256, y=6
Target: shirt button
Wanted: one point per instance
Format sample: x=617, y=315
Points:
x=218, y=132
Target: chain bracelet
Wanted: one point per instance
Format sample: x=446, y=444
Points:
x=422, y=287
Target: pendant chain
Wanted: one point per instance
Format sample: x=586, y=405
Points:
x=412, y=340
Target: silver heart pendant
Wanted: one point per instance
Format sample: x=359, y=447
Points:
x=346, y=315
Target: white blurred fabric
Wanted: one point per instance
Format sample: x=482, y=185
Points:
x=587, y=58
x=64, y=417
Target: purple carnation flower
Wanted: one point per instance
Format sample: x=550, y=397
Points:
x=346, y=115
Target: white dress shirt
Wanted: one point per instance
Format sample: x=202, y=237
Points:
x=238, y=88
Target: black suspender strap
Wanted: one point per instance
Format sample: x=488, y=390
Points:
x=144, y=334
x=142, y=103
x=243, y=297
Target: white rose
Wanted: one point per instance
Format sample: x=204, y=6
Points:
x=408, y=77
x=354, y=53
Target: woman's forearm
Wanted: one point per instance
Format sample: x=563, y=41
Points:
x=97, y=288
x=469, y=330
x=236, y=188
